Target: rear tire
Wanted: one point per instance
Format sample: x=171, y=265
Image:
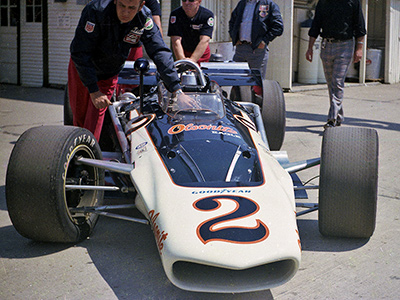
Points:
x=348, y=182
x=42, y=162
x=274, y=113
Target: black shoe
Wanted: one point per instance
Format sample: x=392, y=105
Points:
x=329, y=124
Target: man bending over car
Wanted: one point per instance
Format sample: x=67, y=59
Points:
x=105, y=33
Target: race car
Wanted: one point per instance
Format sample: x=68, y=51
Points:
x=205, y=171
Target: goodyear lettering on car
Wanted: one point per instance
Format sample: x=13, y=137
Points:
x=221, y=191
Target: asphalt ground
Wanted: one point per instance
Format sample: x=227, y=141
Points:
x=120, y=260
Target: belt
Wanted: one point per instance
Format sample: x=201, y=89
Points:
x=333, y=40
x=244, y=43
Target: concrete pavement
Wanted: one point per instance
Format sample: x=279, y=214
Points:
x=120, y=260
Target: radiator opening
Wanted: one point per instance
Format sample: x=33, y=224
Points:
x=192, y=275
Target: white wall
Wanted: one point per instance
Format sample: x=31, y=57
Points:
x=392, y=53
x=63, y=19
x=280, y=58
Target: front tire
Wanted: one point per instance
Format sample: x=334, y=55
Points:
x=42, y=162
x=348, y=182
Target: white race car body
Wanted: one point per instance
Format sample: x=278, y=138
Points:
x=218, y=238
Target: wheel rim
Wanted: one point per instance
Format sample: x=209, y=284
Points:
x=79, y=174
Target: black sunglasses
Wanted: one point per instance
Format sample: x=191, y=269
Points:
x=188, y=0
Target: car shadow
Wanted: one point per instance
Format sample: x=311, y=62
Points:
x=3, y=204
x=126, y=256
x=312, y=240
x=15, y=246
x=124, y=253
x=349, y=121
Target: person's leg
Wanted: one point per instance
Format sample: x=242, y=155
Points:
x=135, y=53
x=327, y=62
x=78, y=94
x=257, y=59
x=95, y=117
x=84, y=113
x=343, y=54
x=206, y=55
x=260, y=55
x=204, y=58
x=241, y=53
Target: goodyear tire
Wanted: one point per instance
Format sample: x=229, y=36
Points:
x=348, y=182
x=42, y=162
x=274, y=113
x=68, y=118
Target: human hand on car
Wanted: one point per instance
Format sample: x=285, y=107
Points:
x=100, y=100
x=185, y=101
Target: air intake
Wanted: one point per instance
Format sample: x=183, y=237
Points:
x=203, y=278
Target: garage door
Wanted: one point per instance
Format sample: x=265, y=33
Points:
x=31, y=43
x=8, y=41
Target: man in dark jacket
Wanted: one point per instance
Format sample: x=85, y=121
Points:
x=106, y=31
x=253, y=25
x=155, y=8
x=341, y=25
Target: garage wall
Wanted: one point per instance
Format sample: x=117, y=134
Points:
x=392, y=53
x=165, y=11
x=31, y=51
x=280, y=58
x=8, y=55
x=222, y=12
x=63, y=18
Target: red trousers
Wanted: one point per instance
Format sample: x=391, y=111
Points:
x=204, y=58
x=135, y=53
x=84, y=113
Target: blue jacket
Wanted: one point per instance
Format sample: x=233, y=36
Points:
x=101, y=44
x=267, y=22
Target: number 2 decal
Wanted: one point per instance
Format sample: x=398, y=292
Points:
x=231, y=234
